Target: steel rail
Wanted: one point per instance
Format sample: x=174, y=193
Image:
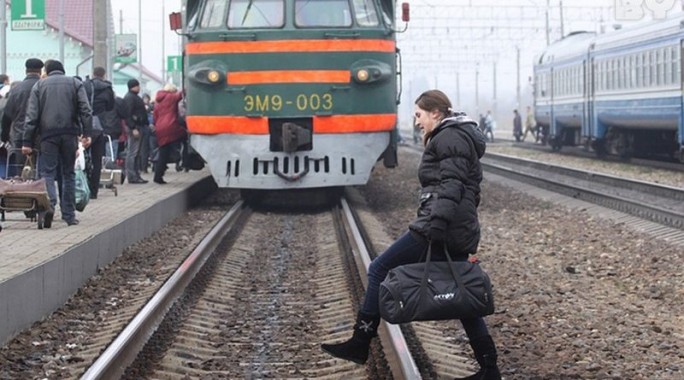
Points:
x=125, y=348
x=608, y=179
x=626, y=205
x=396, y=350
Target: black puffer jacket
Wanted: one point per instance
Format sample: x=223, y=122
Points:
x=450, y=176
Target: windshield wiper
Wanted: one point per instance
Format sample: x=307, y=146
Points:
x=249, y=6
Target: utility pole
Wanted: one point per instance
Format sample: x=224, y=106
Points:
x=548, y=6
x=61, y=32
x=477, y=88
x=3, y=38
x=561, y=19
x=100, y=33
x=163, y=54
x=140, y=72
x=494, y=97
x=458, y=90
x=517, y=71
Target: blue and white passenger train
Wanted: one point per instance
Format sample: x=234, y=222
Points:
x=620, y=93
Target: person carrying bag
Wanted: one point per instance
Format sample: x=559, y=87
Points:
x=450, y=175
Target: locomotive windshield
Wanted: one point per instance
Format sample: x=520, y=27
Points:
x=256, y=14
x=249, y=14
x=328, y=13
x=335, y=13
x=365, y=13
x=213, y=14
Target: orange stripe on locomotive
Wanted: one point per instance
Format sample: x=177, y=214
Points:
x=211, y=125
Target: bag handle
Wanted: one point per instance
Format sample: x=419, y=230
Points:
x=92, y=93
x=29, y=161
x=457, y=278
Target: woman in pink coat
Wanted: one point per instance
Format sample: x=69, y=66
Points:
x=167, y=127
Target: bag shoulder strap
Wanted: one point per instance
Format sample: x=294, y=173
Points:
x=92, y=92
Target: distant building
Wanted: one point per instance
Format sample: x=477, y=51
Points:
x=78, y=46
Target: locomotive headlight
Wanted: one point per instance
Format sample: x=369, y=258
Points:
x=210, y=73
x=213, y=76
x=366, y=71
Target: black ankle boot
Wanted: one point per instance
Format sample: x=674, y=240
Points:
x=356, y=348
x=485, y=354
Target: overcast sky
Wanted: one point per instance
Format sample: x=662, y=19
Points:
x=154, y=24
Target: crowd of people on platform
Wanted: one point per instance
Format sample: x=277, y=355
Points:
x=47, y=115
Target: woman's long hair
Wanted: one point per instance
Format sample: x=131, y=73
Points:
x=432, y=100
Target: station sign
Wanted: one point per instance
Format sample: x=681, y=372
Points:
x=174, y=63
x=28, y=15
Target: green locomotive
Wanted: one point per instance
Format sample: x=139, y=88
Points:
x=288, y=94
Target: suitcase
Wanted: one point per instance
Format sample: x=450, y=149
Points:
x=25, y=195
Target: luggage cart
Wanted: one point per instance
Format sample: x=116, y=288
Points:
x=110, y=174
x=27, y=195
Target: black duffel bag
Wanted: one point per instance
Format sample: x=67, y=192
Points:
x=436, y=290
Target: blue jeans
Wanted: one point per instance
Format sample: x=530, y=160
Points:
x=132, y=153
x=59, y=153
x=408, y=249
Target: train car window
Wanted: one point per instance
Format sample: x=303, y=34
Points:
x=661, y=67
x=667, y=66
x=654, y=69
x=676, y=69
x=322, y=13
x=632, y=71
x=644, y=62
x=621, y=73
x=244, y=14
x=365, y=12
x=639, y=71
x=213, y=15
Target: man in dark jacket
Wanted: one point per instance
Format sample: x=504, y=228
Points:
x=137, y=120
x=57, y=110
x=15, y=112
x=101, y=98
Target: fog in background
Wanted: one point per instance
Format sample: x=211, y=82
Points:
x=478, y=51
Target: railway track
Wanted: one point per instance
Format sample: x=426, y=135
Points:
x=259, y=295
x=663, y=164
x=654, y=202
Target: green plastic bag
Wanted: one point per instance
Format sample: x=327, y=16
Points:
x=82, y=190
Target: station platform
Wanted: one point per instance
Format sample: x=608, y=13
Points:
x=41, y=269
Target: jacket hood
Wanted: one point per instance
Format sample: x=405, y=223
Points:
x=463, y=122
x=100, y=84
x=161, y=94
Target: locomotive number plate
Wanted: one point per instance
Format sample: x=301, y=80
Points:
x=301, y=102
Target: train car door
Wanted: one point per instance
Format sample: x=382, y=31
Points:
x=552, y=121
x=587, y=120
